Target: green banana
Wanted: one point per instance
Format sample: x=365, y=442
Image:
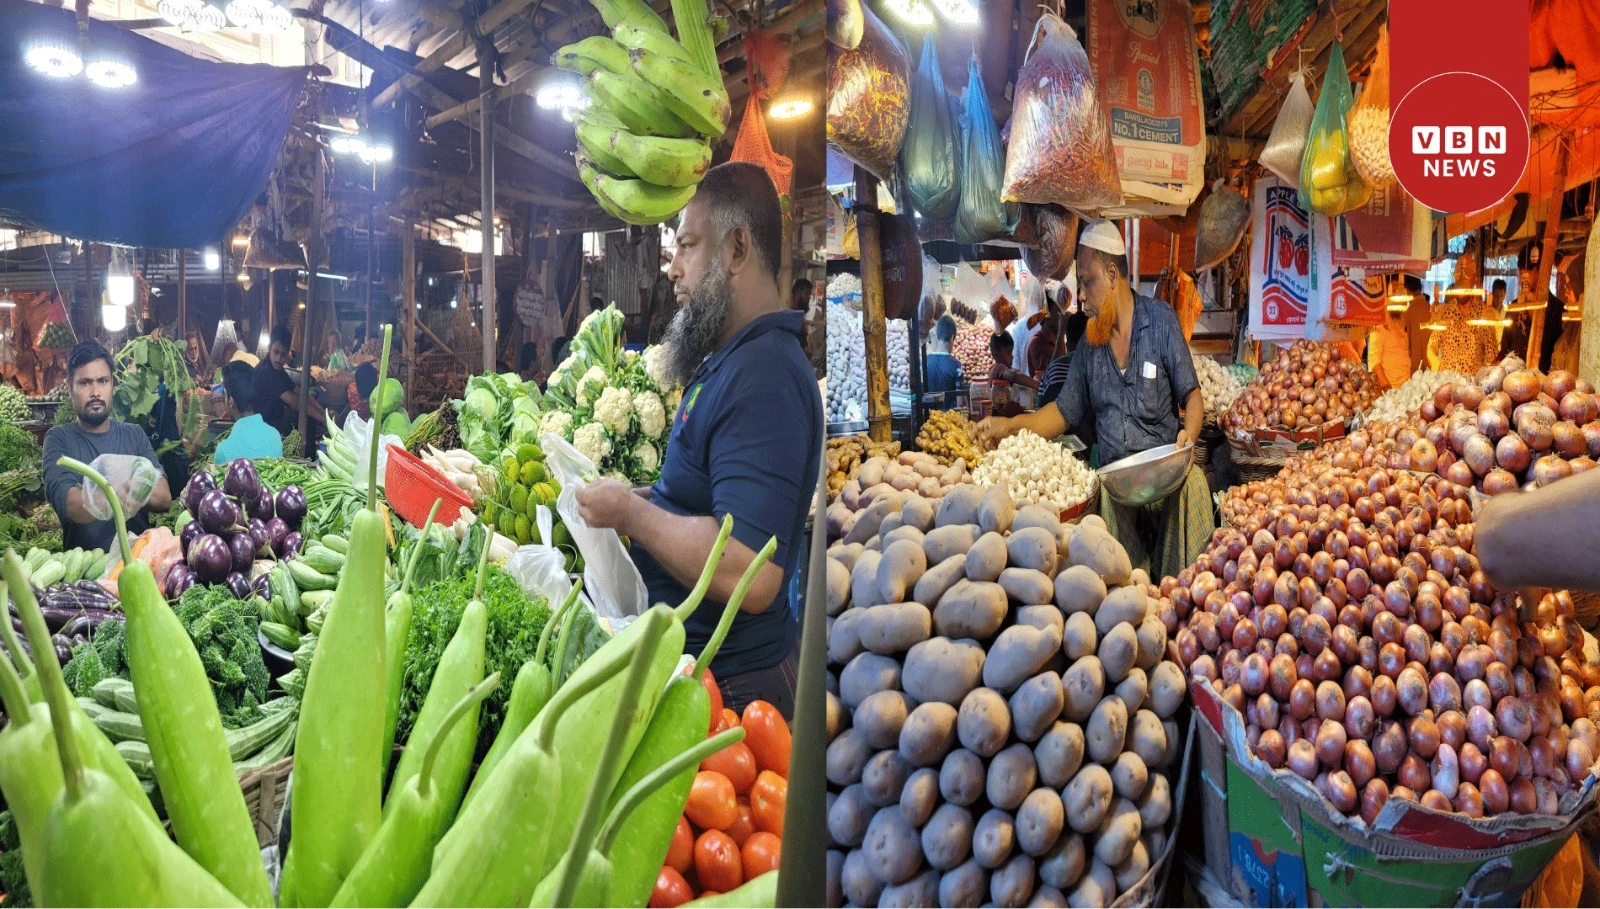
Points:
x=594, y=137
x=637, y=12
x=588, y=174
x=633, y=37
x=640, y=202
x=698, y=99
x=592, y=53
x=665, y=162
x=631, y=100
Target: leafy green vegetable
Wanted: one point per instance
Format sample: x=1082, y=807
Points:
x=103, y=657
x=13, y=879
x=18, y=448
x=489, y=409
x=224, y=632
x=144, y=365
x=13, y=406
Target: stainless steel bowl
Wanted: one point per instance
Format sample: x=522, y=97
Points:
x=1148, y=476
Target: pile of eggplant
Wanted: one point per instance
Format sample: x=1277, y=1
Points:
x=232, y=526
x=71, y=612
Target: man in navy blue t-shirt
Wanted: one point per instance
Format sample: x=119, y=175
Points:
x=746, y=440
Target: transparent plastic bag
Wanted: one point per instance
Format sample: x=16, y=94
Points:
x=1286, y=144
x=226, y=339
x=971, y=288
x=1060, y=148
x=869, y=97
x=356, y=433
x=1224, y=219
x=610, y=578
x=982, y=215
x=928, y=155
x=1329, y=183
x=540, y=568
x=132, y=477
x=1368, y=122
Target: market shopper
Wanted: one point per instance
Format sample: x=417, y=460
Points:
x=1127, y=385
x=120, y=451
x=277, y=394
x=746, y=440
x=1389, y=351
x=944, y=370
x=250, y=436
x=1544, y=538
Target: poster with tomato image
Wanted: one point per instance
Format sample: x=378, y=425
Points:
x=1286, y=257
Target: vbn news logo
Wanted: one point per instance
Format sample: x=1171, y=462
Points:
x=1450, y=151
x=1458, y=142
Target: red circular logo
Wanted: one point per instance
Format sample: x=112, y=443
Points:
x=1458, y=142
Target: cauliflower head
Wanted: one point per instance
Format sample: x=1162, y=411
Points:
x=652, y=413
x=614, y=409
x=649, y=459
x=558, y=422
x=591, y=382
x=655, y=364
x=590, y=439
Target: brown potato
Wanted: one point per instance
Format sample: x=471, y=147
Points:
x=943, y=670
x=1059, y=754
x=970, y=610
x=894, y=627
x=1107, y=730
x=987, y=558
x=1017, y=655
x=1063, y=865
x=1012, y=883
x=847, y=756
x=849, y=816
x=1080, y=589
x=983, y=724
x=1088, y=797
x=1083, y=685
x=1012, y=776
x=884, y=777
x=943, y=542
x=838, y=587
x=947, y=837
x=965, y=885
x=936, y=581
x=866, y=675
x=1036, y=705
x=1033, y=548
x=1040, y=821
x=1125, y=604
x=928, y=734
x=920, y=796
x=892, y=848
x=1119, y=650
x=1079, y=638
x=994, y=838
x=1129, y=776
x=1028, y=586
x=879, y=717
x=860, y=887
x=1117, y=834
x=959, y=506
x=961, y=777
x=996, y=510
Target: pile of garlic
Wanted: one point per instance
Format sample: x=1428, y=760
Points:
x=847, y=366
x=1037, y=472
x=1217, y=384
x=1403, y=403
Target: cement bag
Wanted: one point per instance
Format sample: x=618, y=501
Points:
x=928, y=155
x=1329, y=182
x=869, y=97
x=1224, y=219
x=982, y=215
x=1368, y=122
x=1060, y=147
x=1286, y=144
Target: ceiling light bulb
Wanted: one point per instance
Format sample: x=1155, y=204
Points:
x=212, y=260
x=790, y=109
x=911, y=12
x=347, y=144
x=960, y=12
x=111, y=74
x=376, y=154
x=119, y=280
x=6, y=302
x=559, y=94
x=113, y=317
x=54, y=60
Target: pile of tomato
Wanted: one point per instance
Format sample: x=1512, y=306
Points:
x=731, y=830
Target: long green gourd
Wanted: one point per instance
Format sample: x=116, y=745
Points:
x=396, y=630
x=529, y=693
x=579, y=738
x=460, y=670
x=337, y=804
x=183, y=727
x=24, y=667
x=416, y=814
x=493, y=855
x=640, y=849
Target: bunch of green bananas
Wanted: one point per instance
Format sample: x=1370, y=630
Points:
x=655, y=105
x=522, y=485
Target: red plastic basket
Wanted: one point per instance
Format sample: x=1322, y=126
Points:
x=411, y=486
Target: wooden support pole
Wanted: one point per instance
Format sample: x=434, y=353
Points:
x=313, y=263
x=408, y=303
x=1547, y=251
x=486, y=90
x=872, y=319
x=183, y=294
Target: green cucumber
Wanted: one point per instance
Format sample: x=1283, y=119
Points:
x=105, y=691
x=308, y=578
x=281, y=635
x=137, y=754
x=336, y=543
x=247, y=740
x=119, y=726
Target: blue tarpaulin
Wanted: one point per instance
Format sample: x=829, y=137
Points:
x=172, y=161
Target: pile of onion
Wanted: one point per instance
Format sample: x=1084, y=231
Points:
x=1343, y=613
x=1304, y=387
x=1509, y=428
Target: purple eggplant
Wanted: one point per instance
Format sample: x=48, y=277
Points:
x=178, y=582
x=210, y=558
x=199, y=484
x=191, y=531
x=291, y=505
x=243, y=546
x=261, y=586
x=291, y=545
x=242, y=481
x=277, y=529
x=63, y=648
x=238, y=585
x=80, y=624
x=262, y=505
x=263, y=539
x=217, y=512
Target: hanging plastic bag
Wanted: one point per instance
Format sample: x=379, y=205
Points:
x=1286, y=144
x=609, y=575
x=1369, y=122
x=540, y=568
x=1224, y=219
x=1056, y=232
x=1060, y=147
x=971, y=288
x=1329, y=183
x=869, y=97
x=227, y=338
x=982, y=216
x=356, y=435
x=928, y=157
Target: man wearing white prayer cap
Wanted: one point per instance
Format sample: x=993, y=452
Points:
x=1130, y=387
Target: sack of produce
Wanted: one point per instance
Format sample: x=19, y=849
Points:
x=1224, y=219
x=1369, y=122
x=1056, y=232
x=1060, y=147
x=1286, y=144
x=869, y=97
x=1329, y=184
x=982, y=215
x=928, y=157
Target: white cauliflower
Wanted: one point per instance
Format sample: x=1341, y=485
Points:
x=652, y=414
x=594, y=379
x=591, y=441
x=655, y=362
x=614, y=409
x=558, y=422
x=620, y=477
x=648, y=458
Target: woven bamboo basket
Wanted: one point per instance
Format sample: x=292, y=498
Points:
x=1252, y=469
x=264, y=790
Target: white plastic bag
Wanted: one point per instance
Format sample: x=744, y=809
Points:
x=355, y=432
x=540, y=568
x=1286, y=144
x=609, y=575
x=132, y=477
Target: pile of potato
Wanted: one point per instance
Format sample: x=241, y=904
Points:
x=1001, y=708
x=948, y=435
x=879, y=477
x=846, y=454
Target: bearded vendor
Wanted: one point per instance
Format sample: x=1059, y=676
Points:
x=1125, y=386
x=746, y=440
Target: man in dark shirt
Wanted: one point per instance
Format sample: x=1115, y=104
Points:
x=277, y=393
x=1128, y=381
x=944, y=370
x=746, y=440
x=90, y=381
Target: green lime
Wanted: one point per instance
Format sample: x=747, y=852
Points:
x=507, y=524
x=524, y=529
x=519, y=499
x=528, y=451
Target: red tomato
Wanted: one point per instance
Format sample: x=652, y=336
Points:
x=671, y=890
x=759, y=854
x=768, y=797
x=741, y=829
x=736, y=763
x=729, y=719
x=712, y=802
x=716, y=700
x=680, y=854
x=767, y=736
x=716, y=861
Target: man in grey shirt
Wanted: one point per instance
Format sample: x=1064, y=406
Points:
x=90, y=381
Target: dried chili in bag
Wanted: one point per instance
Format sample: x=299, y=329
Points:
x=869, y=97
x=982, y=215
x=928, y=155
x=1286, y=144
x=1368, y=122
x=1060, y=147
x=1329, y=182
